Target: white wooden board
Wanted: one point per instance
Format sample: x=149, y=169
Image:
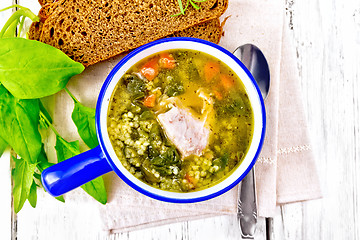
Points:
x=327, y=39
x=5, y=179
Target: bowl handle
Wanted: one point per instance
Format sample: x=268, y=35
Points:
x=74, y=172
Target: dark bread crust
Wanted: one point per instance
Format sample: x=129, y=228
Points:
x=35, y=29
x=90, y=31
x=210, y=31
x=44, y=2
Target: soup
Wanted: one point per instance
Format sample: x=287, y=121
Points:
x=180, y=120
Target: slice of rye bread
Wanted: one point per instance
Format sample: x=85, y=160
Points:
x=210, y=31
x=90, y=31
x=44, y=2
x=36, y=27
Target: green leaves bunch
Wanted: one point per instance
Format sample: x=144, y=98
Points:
x=188, y=2
x=30, y=70
x=18, y=18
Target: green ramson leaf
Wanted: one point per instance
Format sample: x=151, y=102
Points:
x=194, y=5
x=3, y=146
x=192, y=2
x=96, y=189
x=19, y=125
x=84, y=119
x=60, y=198
x=23, y=179
x=32, y=69
x=46, y=114
x=43, y=163
x=66, y=150
x=9, y=28
x=181, y=6
x=32, y=195
x=11, y=31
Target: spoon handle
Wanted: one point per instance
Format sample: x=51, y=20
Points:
x=247, y=210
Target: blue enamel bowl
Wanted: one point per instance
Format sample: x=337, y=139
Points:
x=74, y=172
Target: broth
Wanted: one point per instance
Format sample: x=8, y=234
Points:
x=180, y=120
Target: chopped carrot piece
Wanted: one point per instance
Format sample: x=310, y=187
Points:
x=218, y=91
x=191, y=179
x=226, y=81
x=218, y=95
x=167, y=61
x=150, y=101
x=211, y=69
x=150, y=69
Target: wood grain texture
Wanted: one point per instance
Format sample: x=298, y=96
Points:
x=327, y=40
x=6, y=212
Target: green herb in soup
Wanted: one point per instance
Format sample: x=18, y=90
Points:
x=180, y=120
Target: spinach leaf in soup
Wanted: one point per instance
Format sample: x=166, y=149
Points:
x=236, y=105
x=174, y=88
x=164, y=163
x=192, y=70
x=147, y=115
x=222, y=161
x=135, y=86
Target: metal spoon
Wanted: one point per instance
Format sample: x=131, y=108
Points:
x=255, y=61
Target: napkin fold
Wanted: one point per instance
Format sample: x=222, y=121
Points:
x=285, y=170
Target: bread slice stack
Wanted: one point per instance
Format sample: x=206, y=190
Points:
x=90, y=31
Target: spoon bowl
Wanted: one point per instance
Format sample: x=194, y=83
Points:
x=256, y=63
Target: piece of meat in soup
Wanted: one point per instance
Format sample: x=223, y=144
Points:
x=188, y=134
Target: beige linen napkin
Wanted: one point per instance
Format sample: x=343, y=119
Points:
x=285, y=170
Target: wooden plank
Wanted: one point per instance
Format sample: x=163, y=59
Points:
x=327, y=37
x=5, y=200
x=222, y=227
x=5, y=169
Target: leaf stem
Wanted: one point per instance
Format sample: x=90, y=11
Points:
x=27, y=12
x=71, y=95
x=12, y=6
x=194, y=5
x=22, y=12
x=44, y=118
x=21, y=25
x=181, y=7
x=188, y=2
